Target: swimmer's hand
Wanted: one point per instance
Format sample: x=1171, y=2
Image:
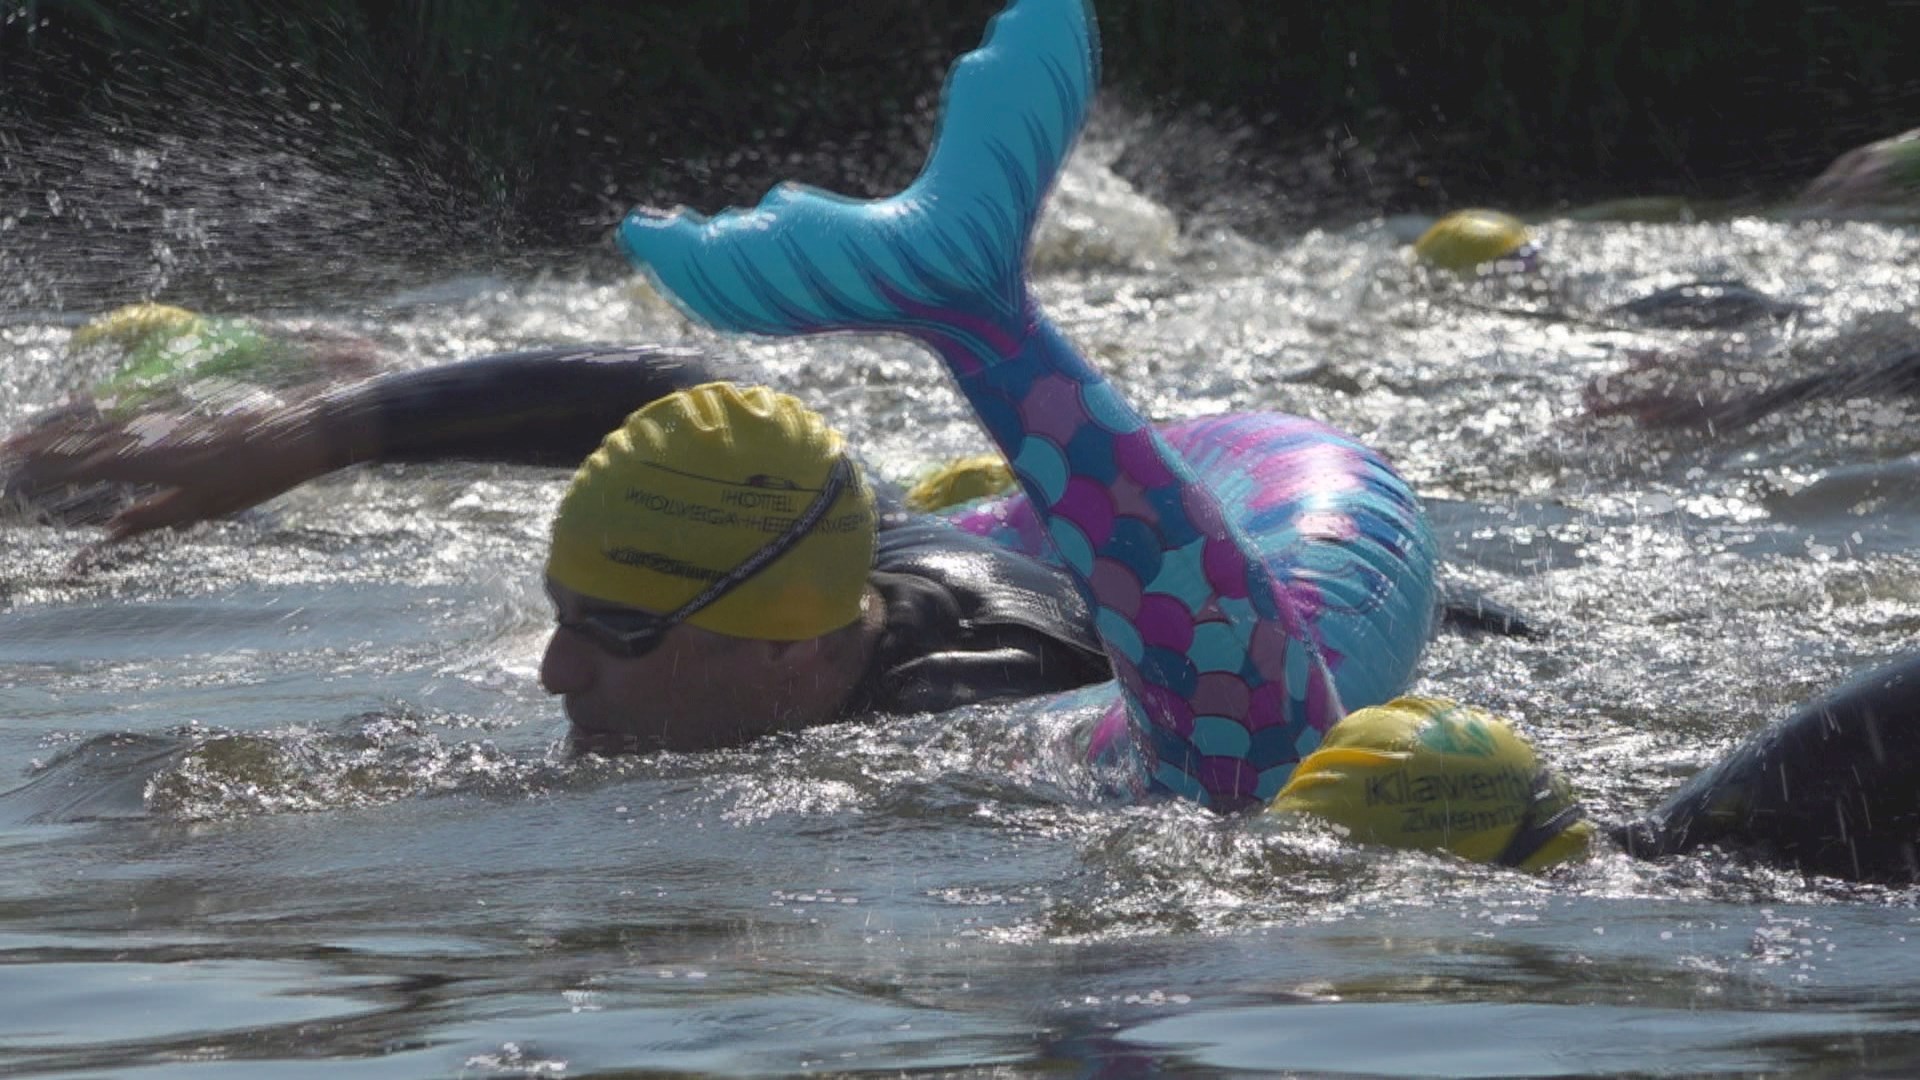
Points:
x=184, y=469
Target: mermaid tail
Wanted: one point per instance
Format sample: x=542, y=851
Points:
x=944, y=258
x=1212, y=601
x=1329, y=514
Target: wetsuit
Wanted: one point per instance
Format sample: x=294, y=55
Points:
x=1832, y=789
x=969, y=621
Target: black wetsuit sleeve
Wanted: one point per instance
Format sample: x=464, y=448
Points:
x=1463, y=609
x=544, y=407
x=1833, y=789
x=1893, y=372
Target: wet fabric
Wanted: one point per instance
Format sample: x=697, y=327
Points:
x=1830, y=789
x=968, y=621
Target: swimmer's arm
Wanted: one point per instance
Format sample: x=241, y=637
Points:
x=550, y=407
x=1897, y=372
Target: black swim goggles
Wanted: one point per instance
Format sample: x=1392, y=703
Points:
x=1535, y=831
x=630, y=634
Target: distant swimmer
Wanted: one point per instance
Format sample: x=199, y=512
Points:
x=1484, y=243
x=166, y=359
x=168, y=355
x=1716, y=387
x=1477, y=241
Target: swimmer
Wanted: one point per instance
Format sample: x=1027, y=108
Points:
x=1826, y=790
x=165, y=359
x=1477, y=242
x=1491, y=244
x=1704, y=389
x=970, y=618
x=173, y=358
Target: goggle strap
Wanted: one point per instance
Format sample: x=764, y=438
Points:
x=836, y=482
x=1530, y=835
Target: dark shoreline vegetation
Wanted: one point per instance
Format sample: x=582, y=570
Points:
x=295, y=129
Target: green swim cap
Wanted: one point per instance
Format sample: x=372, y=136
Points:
x=1433, y=775
x=134, y=325
x=168, y=347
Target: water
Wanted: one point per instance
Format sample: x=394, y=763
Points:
x=279, y=797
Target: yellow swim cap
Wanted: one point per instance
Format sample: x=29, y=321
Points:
x=696, y=482
x=135, y=325
x=1464, y=239
x=960, y=480
x=1433, y=775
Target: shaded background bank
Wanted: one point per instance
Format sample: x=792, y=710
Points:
x=516, y=123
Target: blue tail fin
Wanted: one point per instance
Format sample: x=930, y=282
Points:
x=943, y=260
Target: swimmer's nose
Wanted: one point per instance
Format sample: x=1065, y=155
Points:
x=567, y=667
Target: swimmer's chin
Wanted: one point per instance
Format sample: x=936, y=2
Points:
x=582, y=741
x=585, y=735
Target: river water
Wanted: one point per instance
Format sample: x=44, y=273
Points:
x=280, y=797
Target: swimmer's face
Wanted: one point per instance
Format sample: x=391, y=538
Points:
x=693, y=690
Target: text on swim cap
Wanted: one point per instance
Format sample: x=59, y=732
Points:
x=722, y=517
x=662, y=564
x=1419, y=819
x=759, y=500
x=1398, y=789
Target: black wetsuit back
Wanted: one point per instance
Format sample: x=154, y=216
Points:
x=1833, y=789
x=969, y=621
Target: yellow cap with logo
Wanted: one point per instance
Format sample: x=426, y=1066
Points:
x=694, y=484
x=1465, y=239
x=1433, y=775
